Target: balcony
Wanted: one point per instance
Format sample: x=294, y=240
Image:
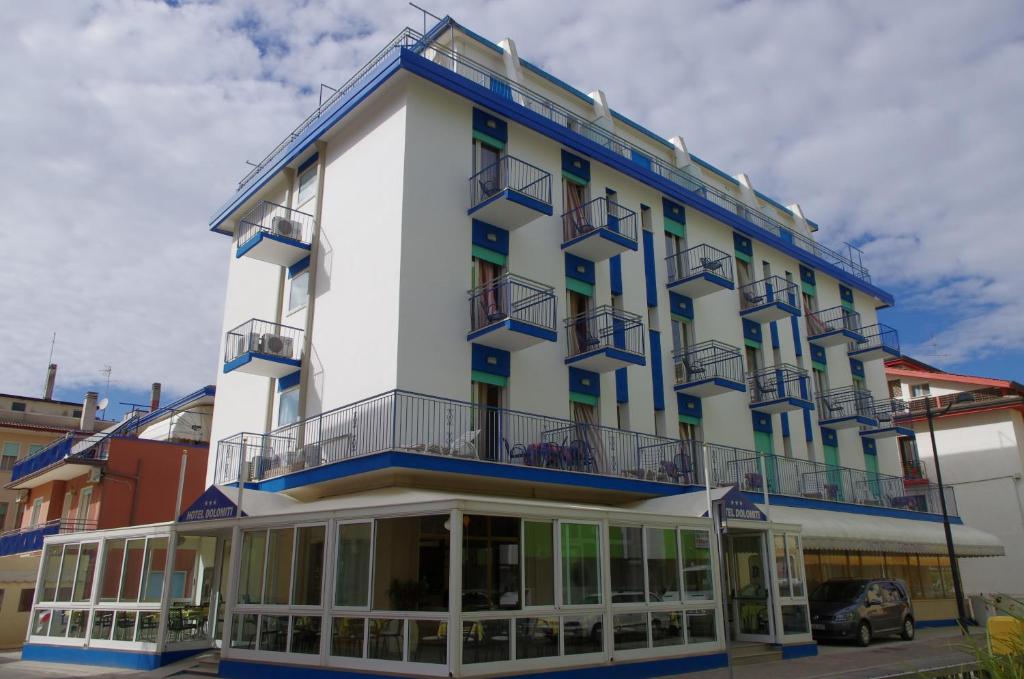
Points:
x=769, y=299
x=846, y=408
x=709, y=369
x=428, y=433
x=914, y=473
x=510, y=193
x=275, y=234
x=43, y=466
x=599, y=230
x=605, y=339
x=880, y=341
x=779, y=388
x=887, y=414
x=699, y=271
x=512, y=313
x=23, y=540
x=791, y=477
x=834, y=326
x=263, y=348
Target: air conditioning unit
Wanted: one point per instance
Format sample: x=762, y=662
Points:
x=288, y=228
x=276, y=345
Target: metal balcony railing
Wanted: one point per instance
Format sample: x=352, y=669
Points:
x=846, y=402
x=768, y=291
x=831, y=320
x=263, y=337
x=958, y=401
x=777, y=382
x=511, y=174
x=806, y=478
x=599, y=213
x=412, y=41
x=888, y=411
x=604, y=328
x=276, y=220
x=708, y=360
x=77, y=445
x=877, y=336
x=406, y=421
x=698, y=260
x=913, y=470
x=512, y=297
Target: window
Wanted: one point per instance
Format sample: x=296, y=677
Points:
x=37, y=508
x=10, y=455
x=298, y=293
x=895, y=389
x=3, y=516
x=153, y=579
x=18, y=407
x=919, y=390
x=25, y=600
x=662, y=564
x=539, y=563
x=411, y=564
x=352, y=575
x=307, y=185
x=280, y=543
x=3, y=593
x=810, y=306
x=84, y=502
x=35, y=448
x=309, y=566
x=625, y=544
x=253, y=558
x=288, y=407
x=645, y=217
x=697, y=580
x=490, y=563
x=689, y=432
x=820, y=382
x=581, y=564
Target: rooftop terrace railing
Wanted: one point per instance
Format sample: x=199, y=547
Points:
x=515, y=298
x=485, y=77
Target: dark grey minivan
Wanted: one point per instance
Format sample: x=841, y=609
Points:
x=860, y=609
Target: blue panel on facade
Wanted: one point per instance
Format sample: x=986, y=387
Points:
x=762, y=422
x=649, y=275
x=492, y=126
x=491, y=360
x=689, y=405
x=869, y=446
x=819, y=355
x=846, y=294
x=621, y=385
x=742, y=244
x=306, y=164
x=785, y=424
x=288, y=381
x=615, y=274
x=773, y=330
x=579, y=268
x=502, y=89
x=298, y=267
x=829, y=437
x=673, y=210
x=751, y=330
x=640, y=159
x=493, y=238
x=657, y=378
x=575, y=165
x=680, y=305
x=584, y=382
x=807, y=275
x=798, y=346
x=856, y=368
x=808, y=429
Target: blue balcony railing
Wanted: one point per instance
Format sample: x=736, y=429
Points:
x=25, y=540
x=510, y=174
x=604, y=328
x=514, y=298
x=492, y=81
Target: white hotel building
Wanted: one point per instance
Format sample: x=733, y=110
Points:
x=514, y=479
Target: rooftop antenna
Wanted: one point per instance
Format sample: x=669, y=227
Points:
x=106, y=394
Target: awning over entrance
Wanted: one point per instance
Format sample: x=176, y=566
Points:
x=843, y=530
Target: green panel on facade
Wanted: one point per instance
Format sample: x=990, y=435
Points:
x=488, y=378
x=674, y=227
x=753, y=344
x=835, y=476
x=689, y=419
x=820, y=367
x=487, y=139
x=586, y=399
x=489, y=256
x=579, y=286
x=744, y=257
x=808, y=289
x=848, y=306
x=574, y=179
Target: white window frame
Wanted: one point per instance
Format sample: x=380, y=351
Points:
x=310, y=177
x=291, y=391
x=292, y=306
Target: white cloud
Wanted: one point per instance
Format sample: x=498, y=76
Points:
x=126, y=124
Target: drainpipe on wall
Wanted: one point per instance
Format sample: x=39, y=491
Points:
x=268, y=420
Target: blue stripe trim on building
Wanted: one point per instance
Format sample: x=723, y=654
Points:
x=946, y=622
x=575, y=165
x=856, y=368
x=793, y=651
x=690, y=406
x=680, y=305
x=298, y=267
x=751, y=330
x=614, y=273
x=761, y=422
x=649, y=270
x=580, y=269
x=773, y=329
x=515, y=326
x=585, y=382
x=819, y=355
x=673, y=210
x=288, y=381
x=621, y=385
x=657, y=376
x=493, y=238
x=829, y=437
x=491, y=125
x=797, y=344
x=808, y=427
x=307, y=163
x=490, y=360
x=610, y=352
x=784, y=418
x=249, y=356
x=105, y=657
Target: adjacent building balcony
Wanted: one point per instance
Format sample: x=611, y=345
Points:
x=779, y=388
x=604, y=339
x=512, y=313
x=833, y=327
x=769, y=299
x=708, y=369
x=914, y=473
x=510, y=193
x=274, y=233
x=699, y=271
x=263, y=348
x=887, y=413
x=846, y=408
x=791, y=477
x=25, y=540
x=879, y=342
x=61, y=460
x=599, y=230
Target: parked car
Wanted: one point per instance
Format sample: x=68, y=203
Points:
x=860, y=609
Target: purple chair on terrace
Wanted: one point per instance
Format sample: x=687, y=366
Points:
x=754, y=481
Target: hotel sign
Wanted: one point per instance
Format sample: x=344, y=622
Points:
x=735, y=505
x=210, y=506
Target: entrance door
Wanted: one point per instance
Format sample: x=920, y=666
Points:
x=751, y=603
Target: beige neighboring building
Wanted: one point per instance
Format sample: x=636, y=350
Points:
x=27, y=425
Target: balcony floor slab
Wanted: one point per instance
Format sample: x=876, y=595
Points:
x=599, y=245
x=273, y=249
x=835, y=338
x=605, y=360
x=700, y=285
x=781, y=405
x=713, y=386
x=266, y=365
x=510, y=210
x=512, y=335
x=886, y=432
x=848, y=422
x=774, y=311
x=874, y=353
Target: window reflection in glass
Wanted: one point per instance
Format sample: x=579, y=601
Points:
x=243, y=631
x=41, y=622
x=131, y=573
x=149, y=623
x=347, y=637
x=102, y=624
x=536, y=637
x=309, y=566
x=796, y=563
x=428, y=641
x=697, y=565
x=78, y=624
x=352, y=587
x=662, y=564
x=630, y=631
x=700, y=626
x=306, y=634
x=485, y=641
x=156, y=561
x=781, y=566
x=113, y=562
x=385, y=639
x=67, y=573
x=625, y=544
x=581, y=564
x=411, y=564
x=59, y=623
x=667, y=628
x=250, y=578
x=273, y=633
x=124, y=625
x=490, y=562
x=794, y=620
x=582, y=634
x=279, y=565
x=85, y=572
x=539, y=563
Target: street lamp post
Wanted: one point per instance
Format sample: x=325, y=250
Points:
x=954, y=567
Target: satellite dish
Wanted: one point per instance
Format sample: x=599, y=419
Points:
x=104, y=402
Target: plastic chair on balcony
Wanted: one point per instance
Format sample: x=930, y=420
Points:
x=693, y=369
x=515, y=452
x=763, y=389
x=752, y=298
x=709, y=264
x=753, y=481
x=831, y=407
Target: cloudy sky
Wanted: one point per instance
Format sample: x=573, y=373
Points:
x=897, y=126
